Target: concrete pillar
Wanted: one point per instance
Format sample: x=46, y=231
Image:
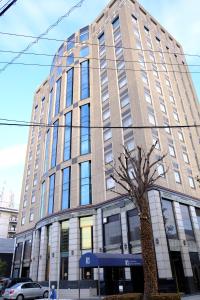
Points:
x=74, y=248
x=43, y=254
x=35, y=255
x=125, y=243
x=55, y=251
x=160, y=240
x=196, y=228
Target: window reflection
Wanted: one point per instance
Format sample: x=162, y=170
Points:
x=85, y=89
x=189, y=233
x=169, y=220
x=86, y=224
x=64, y=250
x=133, y=225
x=85, y=183
x=85, y=130
x=112, y=230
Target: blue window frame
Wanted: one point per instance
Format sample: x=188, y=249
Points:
x=71, y=42
x=54, y=145
x=66, y=187
x=84, y=51
x=85, y=183
x=58, y=93
x=69, y=91
x=46, y=162
x=85, y=130
x=50, y=106
x=42, y=199
x=85, y=80
x=68, y=133
x=51, y=194
x=70, y=59
x=84, y=34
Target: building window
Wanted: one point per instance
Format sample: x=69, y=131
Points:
x=160, y=170
x=163, y=108
x=171, y=99
x=86, y=225
x=126, y=119
x=110, y=183
x=68, y=134
x=133, y=225
x=66, y=176
x=147, y=96
x=51, y=194
x=177, y=176
x=85, y=129
x=167, y=128
x=144, y=77
x=152, y=119
x=27, y=250
x=84, y=51
x=70, y=59
x=46, y=162
x=169, y=220
x=172, y=151
x=115, y=23
x=58, y=93
x=50, y=105
x=156, y=142
x=31, y=216
x=42, y=199
x=107, y=134
x=180, y=136
x=85, y=85
x=112, y=230
x=54, y=145
x=106, y=114
x=124, y=98
x=33, y=197
x=191, y=182
x=23, y=220
x=130, y=144
x=71, y=42
x=198, y=215
x=158, y=88
x=189, y=233
x=85, y=183
x=84, y=34
x=185, y=158
x=64, y=250
x=69, y=91
x=108, y=156
x=176, y=116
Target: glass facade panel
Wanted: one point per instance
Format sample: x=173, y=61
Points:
x=84, y=51
x=86, y=233
x=64, y=250
x=169, y=220
x=66, y=188
x=112, y=231
x=51, y=194
x=54, y=145
x=69, y=91
x=85, y=85
x=133, y=225
x=198, y=215
x=85, y=183
x=68, y=134
x=46, y=162
x=84, y=34
x=50, y=106
x=85, y=130
x=58, y=93
x=70, y=59
x=42, y=199
x=71, y=42
x=189, y=233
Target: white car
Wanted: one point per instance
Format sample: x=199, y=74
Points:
x=26, y=290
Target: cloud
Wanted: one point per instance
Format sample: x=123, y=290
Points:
x=12, y=156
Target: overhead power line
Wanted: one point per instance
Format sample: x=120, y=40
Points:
x=6, y=6
x=79, y=4
x=105, y=68
x=35, y=124
x=97, y=44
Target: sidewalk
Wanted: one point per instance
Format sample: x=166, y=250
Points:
x=191, y=297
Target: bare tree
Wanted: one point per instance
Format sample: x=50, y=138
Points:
x=136, y=172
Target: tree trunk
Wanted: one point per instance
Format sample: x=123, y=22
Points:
x=148, y=252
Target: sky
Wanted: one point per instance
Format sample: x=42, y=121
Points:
x=18, y=83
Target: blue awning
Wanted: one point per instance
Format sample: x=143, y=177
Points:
x=94, y=260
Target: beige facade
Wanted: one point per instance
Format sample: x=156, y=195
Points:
x=138, y=77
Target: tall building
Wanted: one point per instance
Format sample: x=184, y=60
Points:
x=124, y=70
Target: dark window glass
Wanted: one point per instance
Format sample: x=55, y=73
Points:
x=189, y=233
x=50, y=105
x=70, y=59
x=18, y=252
x=115, y=23
x=69, y=91
x=68, y=133
x=85, y=183
x=198, y=216
x=84, y=34
x=51, y=193
x=54, y=145
x=71, y=42
x=46, y=166
x=133, y=225
x=112, y=231
x=42, y=199
x=85, y=88
x=169, y=220
x=66, y=188
x=64, y=250
x=27, y=250
x=58, y=93
x=85, y=130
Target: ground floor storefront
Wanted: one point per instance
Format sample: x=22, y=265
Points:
x=51, y=252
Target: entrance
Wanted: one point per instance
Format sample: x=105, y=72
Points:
x=137, y=277
x=112, y=277
x=177, y=270
x=25, y=272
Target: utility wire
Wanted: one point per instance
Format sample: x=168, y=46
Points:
x=98, y=68
x=6, y=6
x=33, y=124
x=79, y=4
x=99, y=59
x=96, y=44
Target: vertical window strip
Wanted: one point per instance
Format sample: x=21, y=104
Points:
x=85, y=183
x=68, y=134
x=58, y=93
x=50, y=106
x=51, y=194
x=85, y=130
x=66, y=188
x=54, y=145
x=42, y=199
x=69, y=91
x=46, y=166
x=85, y=80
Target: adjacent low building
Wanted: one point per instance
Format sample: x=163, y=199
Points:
x=123, y=70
